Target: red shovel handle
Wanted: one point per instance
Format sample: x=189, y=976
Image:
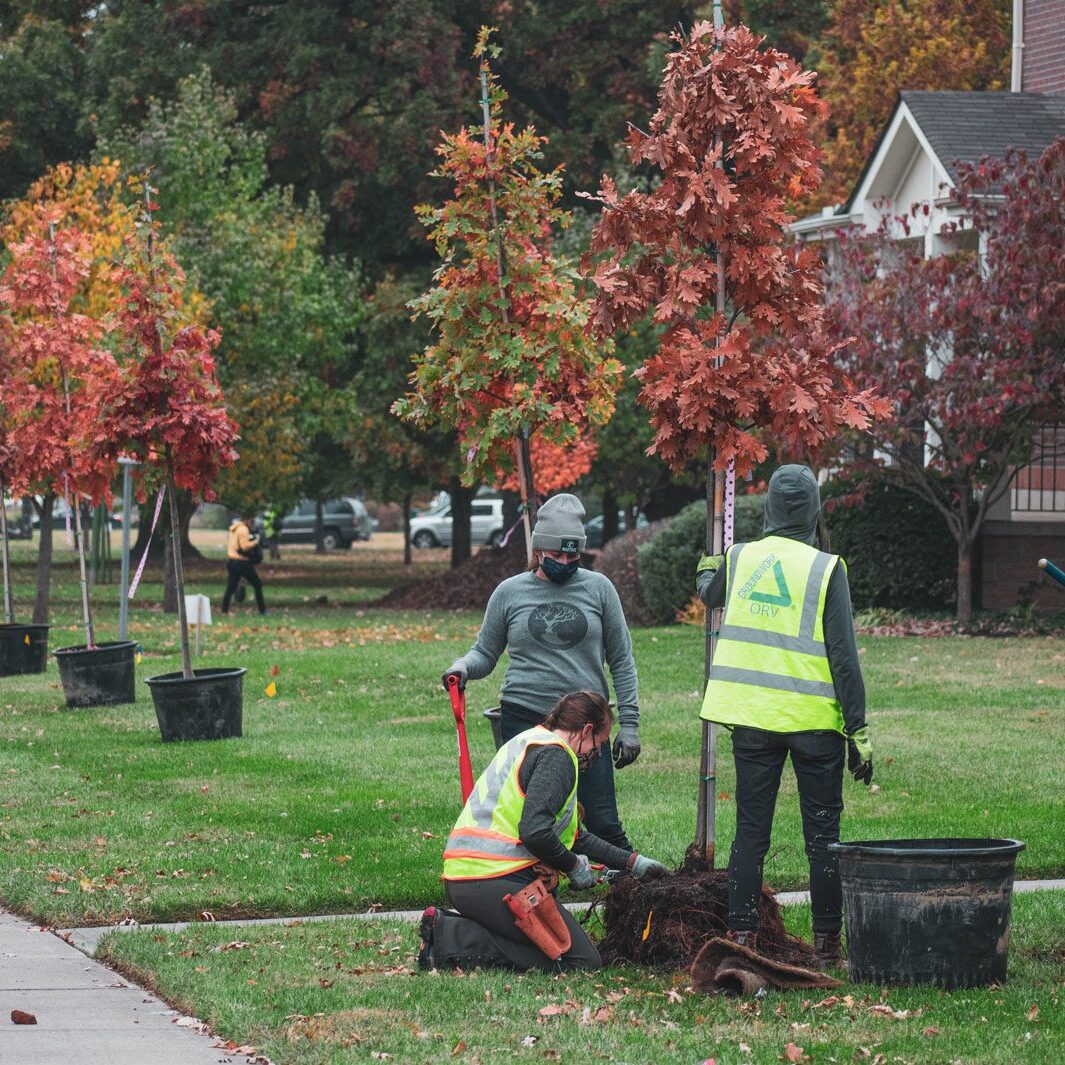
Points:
x=458, y=708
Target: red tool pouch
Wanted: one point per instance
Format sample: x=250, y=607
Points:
x=536, y=913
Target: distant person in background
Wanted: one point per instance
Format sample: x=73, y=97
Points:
x=243, y=553
x=271, y=532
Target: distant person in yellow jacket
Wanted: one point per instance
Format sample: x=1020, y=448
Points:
x=243, y=553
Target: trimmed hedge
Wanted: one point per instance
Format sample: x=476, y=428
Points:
x=667, y=563
x=900, y=553
x=617, y=560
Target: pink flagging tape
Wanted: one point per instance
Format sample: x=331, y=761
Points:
x=510, y=531
x=151, y=533
x=730, y=504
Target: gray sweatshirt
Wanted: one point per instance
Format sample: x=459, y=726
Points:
x=559, y=636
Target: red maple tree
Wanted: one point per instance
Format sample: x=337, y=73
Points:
x=555, y=466
x=966, y=346
x=731, y=144
x=58, y=376
x=167, y=409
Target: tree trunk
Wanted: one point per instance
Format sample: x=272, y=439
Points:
x=965, y=580
x=170, y=588
x=27, y=517
x=179, y=577
x=186, y=508
x=461, y=499
x=511, y=523
x=44, y=560
x=610, y=515
x=407, y=559
x=319, y=527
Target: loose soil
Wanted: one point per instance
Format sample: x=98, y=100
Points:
x=662, y=923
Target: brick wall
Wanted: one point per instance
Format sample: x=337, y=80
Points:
x=1008, y=572
x=1044, y=46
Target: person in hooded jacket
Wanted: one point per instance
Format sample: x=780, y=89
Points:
x=786, y=679
x=560, y=624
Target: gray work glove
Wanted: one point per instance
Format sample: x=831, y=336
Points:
x=641, y=867
x=457, y=670
x=626, y=746
x=583, y=876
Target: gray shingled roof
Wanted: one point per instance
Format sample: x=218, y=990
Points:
x=966, y=126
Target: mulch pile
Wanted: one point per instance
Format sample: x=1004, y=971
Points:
x=663, y=923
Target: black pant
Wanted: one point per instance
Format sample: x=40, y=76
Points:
x=595, y=786
x=817, y=758
x=485, y=934
x=237, y=569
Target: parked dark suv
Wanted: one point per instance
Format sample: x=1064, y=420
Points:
x=343, y=521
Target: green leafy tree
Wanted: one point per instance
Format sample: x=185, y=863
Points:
x=287, y=311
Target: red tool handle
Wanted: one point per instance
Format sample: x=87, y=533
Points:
x=458, y=708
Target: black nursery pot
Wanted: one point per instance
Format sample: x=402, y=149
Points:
x=103, y=675
x=206, y=706
x=928, y=911
x=23, y=649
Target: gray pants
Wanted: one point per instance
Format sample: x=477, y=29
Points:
x=483, y=932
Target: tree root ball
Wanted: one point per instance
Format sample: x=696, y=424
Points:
x=662, y=923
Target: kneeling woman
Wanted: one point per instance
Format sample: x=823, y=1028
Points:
x=520, y=825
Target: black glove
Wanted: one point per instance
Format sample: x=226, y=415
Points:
x=460, y=673
x=859, y=768
x=626, y=746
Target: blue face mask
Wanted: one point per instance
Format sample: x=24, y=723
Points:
x=558, y=572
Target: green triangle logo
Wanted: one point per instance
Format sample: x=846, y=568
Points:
x=783, y=596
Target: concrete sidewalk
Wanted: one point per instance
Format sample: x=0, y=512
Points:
x=86, y=1013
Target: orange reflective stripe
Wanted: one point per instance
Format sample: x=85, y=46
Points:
x=487, y=833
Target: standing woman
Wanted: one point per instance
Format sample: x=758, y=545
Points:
x=560, y=624
x=243, y=552
x=518, y=826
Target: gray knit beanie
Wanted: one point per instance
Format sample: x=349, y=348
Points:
x=559, y=524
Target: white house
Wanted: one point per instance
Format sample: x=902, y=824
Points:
x=914, y=162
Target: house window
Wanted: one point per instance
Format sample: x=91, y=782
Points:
x=1038, y=490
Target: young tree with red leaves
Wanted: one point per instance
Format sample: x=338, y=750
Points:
x=167, y=410
x=744, y=357
x=968, y=346
x=58, y=378
x=513, y=359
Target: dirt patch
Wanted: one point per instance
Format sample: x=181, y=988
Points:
x=663, y=923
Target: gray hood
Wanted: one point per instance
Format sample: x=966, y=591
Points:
x=792, y=504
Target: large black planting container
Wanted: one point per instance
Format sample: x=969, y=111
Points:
x=101, y=676
x=928, y=911
x=23, y=649
x=207, y=706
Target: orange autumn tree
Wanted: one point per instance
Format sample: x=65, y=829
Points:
x=743, y=355
x=555, y=466
x=512, y=359
x=871, y=51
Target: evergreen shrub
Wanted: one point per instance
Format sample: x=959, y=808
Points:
x=667, y=563
x=899, y=552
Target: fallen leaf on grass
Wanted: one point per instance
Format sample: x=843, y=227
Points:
x=275, y=670
x=191, y=1022
x=458, y=1049
x=930, y=1030
x=379, y=1055
x=22, y=1017
x=237, y=944
x=1033, y=1013
x=794, y=1054
x=882, y=1009
x=530, y=1040
x=825, y=1003
x=271, y=690
x=603, y=1015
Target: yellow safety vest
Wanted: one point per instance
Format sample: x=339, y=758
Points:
x=770, y=669
x=484, y=842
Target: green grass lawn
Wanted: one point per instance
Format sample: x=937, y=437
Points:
x=349, y=992
x=341, y=792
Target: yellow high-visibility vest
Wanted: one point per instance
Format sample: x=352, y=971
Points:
x=484, y=842
x=770, y=669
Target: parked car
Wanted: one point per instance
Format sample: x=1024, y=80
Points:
x=433, y=528
x=343, y=522
x=593, y=527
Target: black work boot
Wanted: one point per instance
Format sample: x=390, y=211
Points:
x=743, y=938
x=425, y=952
x=828, y=949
